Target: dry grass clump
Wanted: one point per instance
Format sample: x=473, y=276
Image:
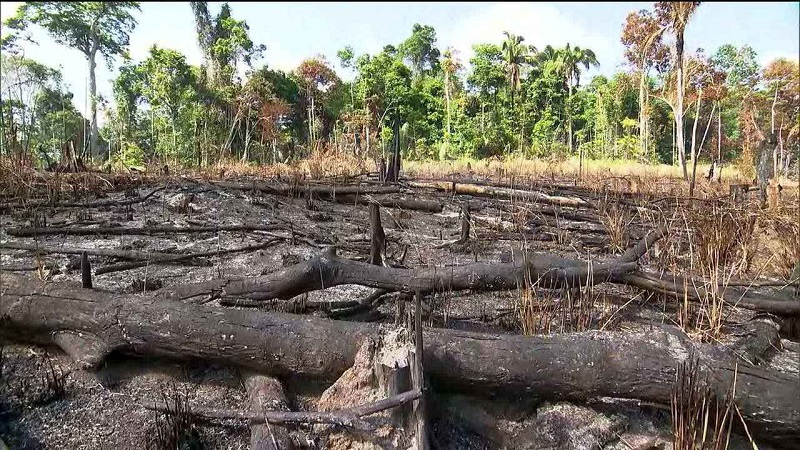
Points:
x=617, y=220
x=546, y=311
x=175, y=429
x=700, y=419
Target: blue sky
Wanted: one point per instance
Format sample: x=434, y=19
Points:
x=294, y=31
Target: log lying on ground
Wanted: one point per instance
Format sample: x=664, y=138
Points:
x=179, y=258
x=388, y=201
x=266, y=394
x=693, y=290
x=324, y=192
x=121, y=254
x=348, y=418
x=328, y=270
x=517, y=194
x=89, y=324
x=147, y=231
x=94, y=204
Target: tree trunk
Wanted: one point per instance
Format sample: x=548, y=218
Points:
x=569, y=123
x=694, y=151
x=642, y=114
x=93, y=101
x=378, y=236
x=89, y=324
x=681, y=145
x=719, y=135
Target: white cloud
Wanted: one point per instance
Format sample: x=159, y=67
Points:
x=540, y=24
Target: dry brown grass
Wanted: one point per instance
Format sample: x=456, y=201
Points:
x=547, y=311
x=700, y=419
x=617, y=220
x=600, y=175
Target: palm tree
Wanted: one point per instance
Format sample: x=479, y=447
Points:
x=515, y=54
x=675, y=15
x=571, y=60
x=450, y=66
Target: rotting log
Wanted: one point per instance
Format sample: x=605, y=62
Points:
x=680, y=287
x=515, y=194
x=348, y=417
x=89, y=324
x=146, y=231
x=521, y=269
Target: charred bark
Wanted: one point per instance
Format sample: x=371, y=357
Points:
x=147, y=231
x=378, y=236
x=318, y=191
x=329, y=270
x=432, y=206
x=89, y=324
x=94, y=204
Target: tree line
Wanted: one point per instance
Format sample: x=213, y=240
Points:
x=668, y=105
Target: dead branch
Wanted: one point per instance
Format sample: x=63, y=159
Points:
x=177, y=258
x=79, y=231
x=346, y=418
x=94, y=204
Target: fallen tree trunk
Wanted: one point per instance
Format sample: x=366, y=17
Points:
x=328, y=270
x=681, y=287
x=391, y=202
x=122, y=254
x=264, y=395
x=94, y=204
x=89, y=324
x=178, y=258
x=516, y=194
x=348, y=417
x=147, y=231
x=323, y=192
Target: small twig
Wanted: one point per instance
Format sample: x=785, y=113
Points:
x=347, y=417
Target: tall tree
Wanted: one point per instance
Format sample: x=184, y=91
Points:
x=675, y=16
x=644, y=49
x=91, y=27
x=420, y=49
x=450, y=66
x=572, y=59
x=205, y=35
x=515, y=55
x=224, y=42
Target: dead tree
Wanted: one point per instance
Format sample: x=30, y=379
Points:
x=90, y=324
x=393, y=171
x=465, y=223
x=378, y=236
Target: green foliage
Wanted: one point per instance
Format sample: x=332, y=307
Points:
x=420, y=49
x=103, y=27
x=740, y=64
x=511, y=98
